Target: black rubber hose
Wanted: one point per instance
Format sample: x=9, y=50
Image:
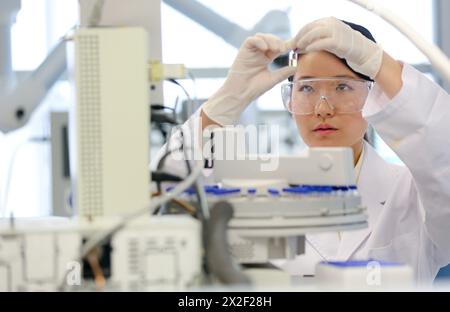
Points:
x=218, y=257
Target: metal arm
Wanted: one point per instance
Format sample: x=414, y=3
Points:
x=275, y=22
x=17, y=104
x=8, y=12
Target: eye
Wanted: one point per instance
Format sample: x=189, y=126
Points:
x=344, y=87
x=305, y=89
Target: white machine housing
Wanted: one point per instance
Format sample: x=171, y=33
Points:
x=149, y=254
x=236, y=165
x=109, y=124
x=368, y=275
x=268, y=226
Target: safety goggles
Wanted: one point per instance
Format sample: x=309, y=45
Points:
x=342, y=95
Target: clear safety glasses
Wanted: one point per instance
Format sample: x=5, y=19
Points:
x=342, y=95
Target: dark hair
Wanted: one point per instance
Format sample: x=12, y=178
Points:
x=366, y=33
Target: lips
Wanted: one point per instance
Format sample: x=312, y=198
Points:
x=324, y=127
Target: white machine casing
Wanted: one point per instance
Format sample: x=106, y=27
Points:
x=109, y=124
x=159, y=254
x=149, y=254
x=268, y=226
x=368, y=275
x=236, y=165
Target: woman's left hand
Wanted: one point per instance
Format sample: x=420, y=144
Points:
x=332, y=35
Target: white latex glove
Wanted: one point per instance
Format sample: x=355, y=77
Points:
x=248, y=78
x=332, y=35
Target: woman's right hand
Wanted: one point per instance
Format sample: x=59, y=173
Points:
x=249, y=77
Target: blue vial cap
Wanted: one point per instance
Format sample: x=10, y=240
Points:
x=326, y=189
x=251, y=191
x=313, y=188
x=190, y=191
x=296, y=190
x=225, y=191
x=273, y=191
x=211, y=187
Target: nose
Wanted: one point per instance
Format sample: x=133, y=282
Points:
x=323, y=108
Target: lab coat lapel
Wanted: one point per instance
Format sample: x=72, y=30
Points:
x=373, y=186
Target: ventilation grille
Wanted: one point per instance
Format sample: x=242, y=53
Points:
x=89, y=127
x=133, y=256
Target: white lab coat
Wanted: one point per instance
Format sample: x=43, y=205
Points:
x=408, y=207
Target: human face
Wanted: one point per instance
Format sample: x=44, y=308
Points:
x=325, y=127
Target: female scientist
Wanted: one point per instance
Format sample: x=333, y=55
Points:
x=332, y=101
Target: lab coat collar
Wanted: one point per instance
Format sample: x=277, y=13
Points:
x=374, y=186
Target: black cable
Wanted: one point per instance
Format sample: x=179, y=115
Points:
x=161, y=107
x=160, y=176
x=158, y=115
x=163, y=131
x=182, y=88
x=160, y=118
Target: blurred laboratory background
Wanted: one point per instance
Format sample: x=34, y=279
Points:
x=206, y=47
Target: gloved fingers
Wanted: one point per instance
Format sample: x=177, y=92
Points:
x=255, y=43
x=320, y=23
x=275, y=44
x=303, y=31
x=327, y=44
x=316, y=34
x=282, y=74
